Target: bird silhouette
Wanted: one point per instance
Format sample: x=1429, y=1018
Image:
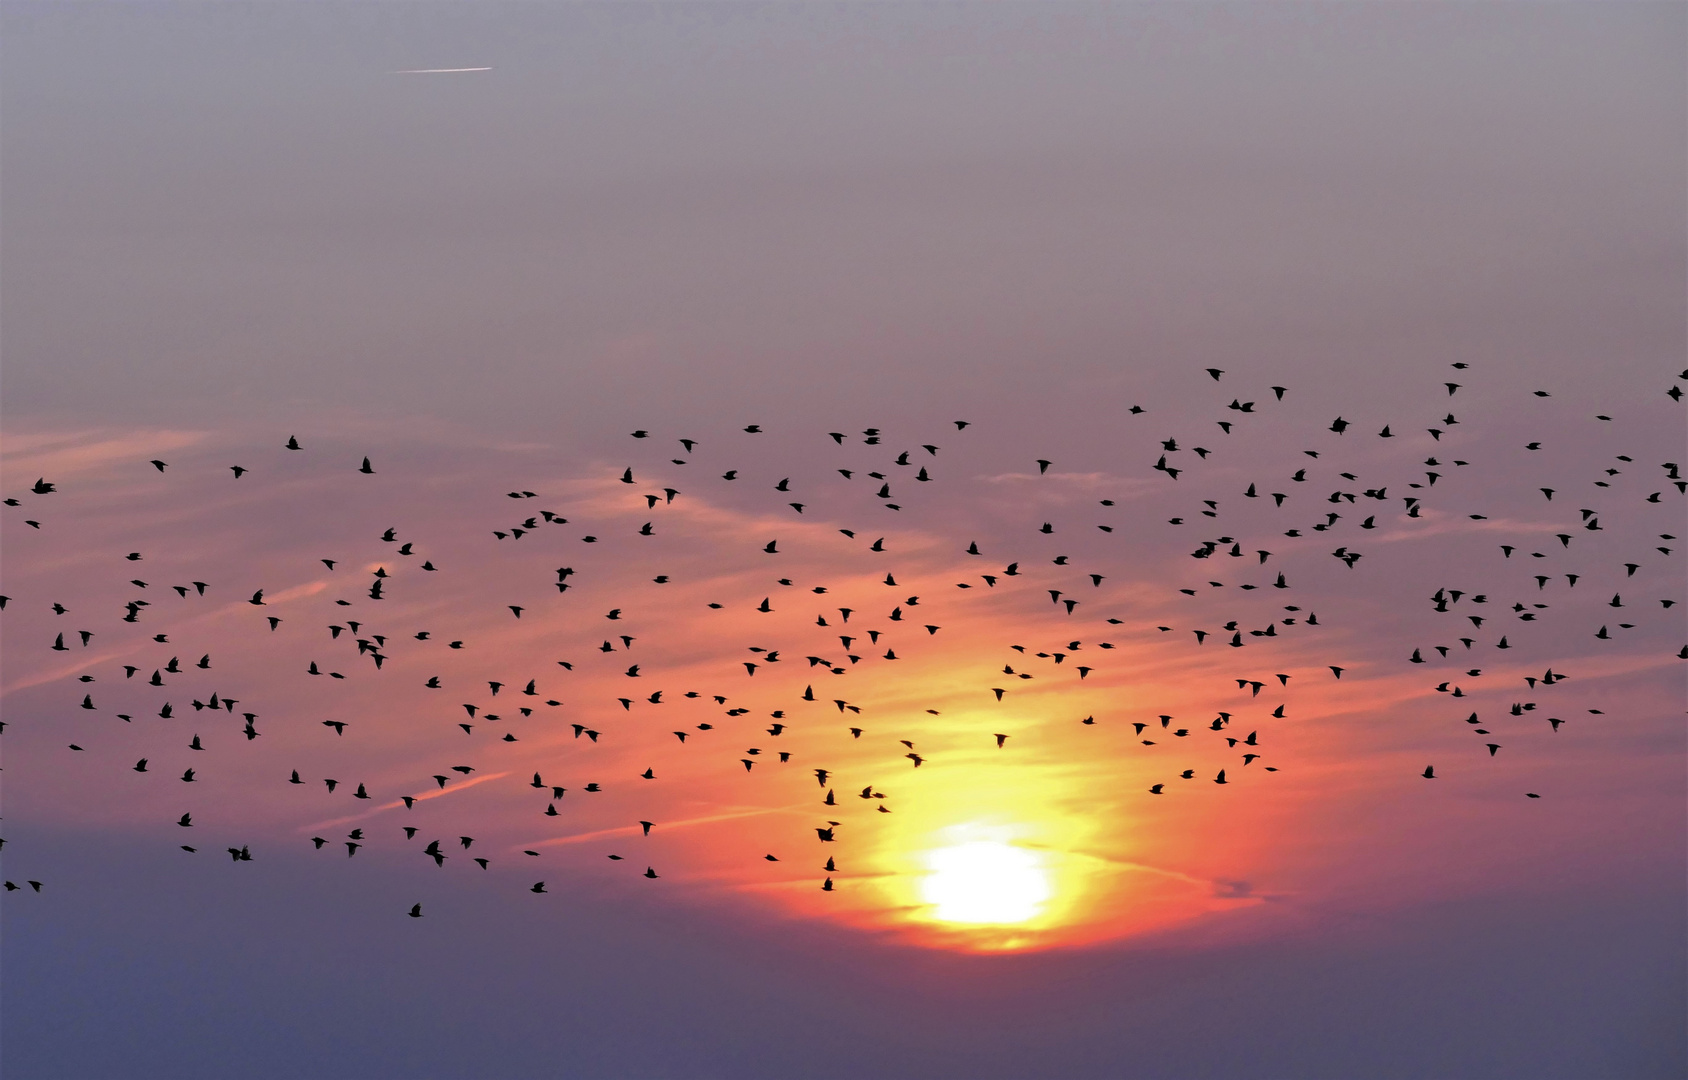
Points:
x=1380, y=491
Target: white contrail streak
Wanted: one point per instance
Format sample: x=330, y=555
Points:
x=438, y=71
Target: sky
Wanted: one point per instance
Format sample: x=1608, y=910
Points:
x=960, y=423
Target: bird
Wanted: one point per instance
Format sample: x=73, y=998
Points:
x=1123, y=602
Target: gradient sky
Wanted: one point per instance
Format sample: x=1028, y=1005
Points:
x=224, y=226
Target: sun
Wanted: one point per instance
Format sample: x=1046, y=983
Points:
x=985, y=881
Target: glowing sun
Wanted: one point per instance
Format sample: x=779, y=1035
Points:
x=985, y=881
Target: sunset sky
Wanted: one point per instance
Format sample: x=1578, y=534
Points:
x=976, y=429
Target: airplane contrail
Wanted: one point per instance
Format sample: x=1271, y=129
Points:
x=439, y=71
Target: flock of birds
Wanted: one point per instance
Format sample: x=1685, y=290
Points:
x=871, y=636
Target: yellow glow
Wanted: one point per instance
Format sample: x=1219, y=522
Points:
x=985, y=881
